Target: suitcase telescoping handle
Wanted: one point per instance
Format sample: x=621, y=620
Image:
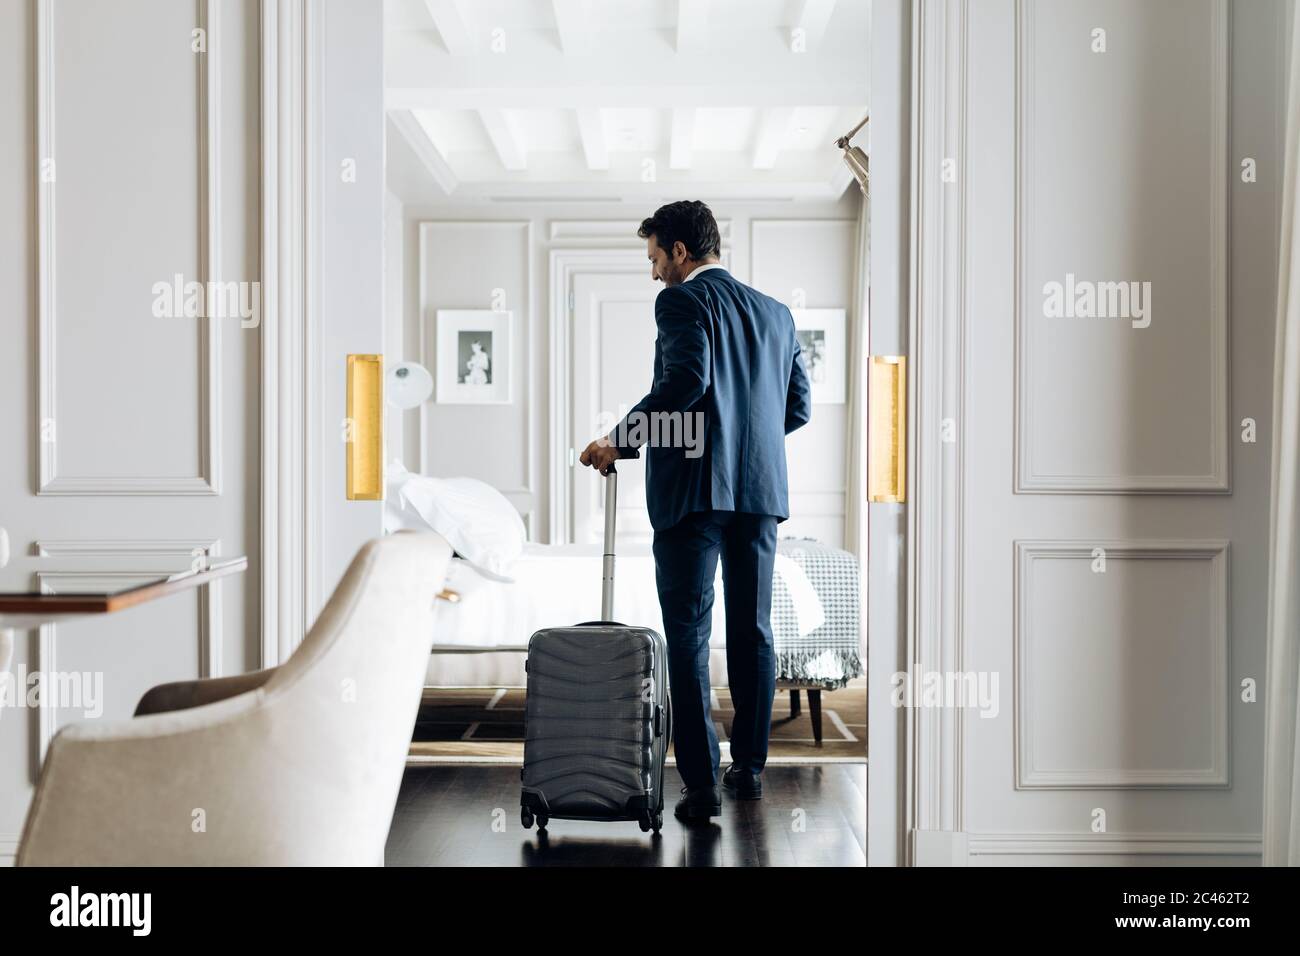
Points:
x=607, y=564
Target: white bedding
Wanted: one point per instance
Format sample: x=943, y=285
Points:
x=559, y=585
x=554, y=586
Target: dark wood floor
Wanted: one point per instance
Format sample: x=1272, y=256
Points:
x=469, y=816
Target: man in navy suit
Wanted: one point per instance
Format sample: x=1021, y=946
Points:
x=727, y=370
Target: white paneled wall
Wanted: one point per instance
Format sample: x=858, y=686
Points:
x=811, y=261
x=481, y=265
x=469, y=252
x=128, y=133
x=1095, y=537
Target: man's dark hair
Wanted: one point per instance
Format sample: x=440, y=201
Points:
x=689, y=222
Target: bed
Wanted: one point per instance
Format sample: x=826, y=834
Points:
x=480, y=638
x=514, y=588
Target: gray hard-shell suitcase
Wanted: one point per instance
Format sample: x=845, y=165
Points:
x=597, y=718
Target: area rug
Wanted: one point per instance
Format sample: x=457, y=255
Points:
x=486, y=725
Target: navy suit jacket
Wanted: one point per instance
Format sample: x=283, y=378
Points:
x=730, y=354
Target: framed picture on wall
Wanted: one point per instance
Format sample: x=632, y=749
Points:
x=825, y=352
x=475, y=360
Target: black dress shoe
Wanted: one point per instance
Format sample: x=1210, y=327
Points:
x=746, y=786
x=698, y=803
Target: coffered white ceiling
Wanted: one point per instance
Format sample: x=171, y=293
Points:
x=624, y=99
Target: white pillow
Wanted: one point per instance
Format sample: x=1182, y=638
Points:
x=480, y=524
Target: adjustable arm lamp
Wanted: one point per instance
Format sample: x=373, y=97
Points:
x=855, y=157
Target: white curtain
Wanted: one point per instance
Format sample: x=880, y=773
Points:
x=855, y=413
x=855, y=418
x=1282, y=727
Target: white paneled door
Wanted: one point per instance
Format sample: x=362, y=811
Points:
x=1098, y=448
x=129, y=354
x=612, y=368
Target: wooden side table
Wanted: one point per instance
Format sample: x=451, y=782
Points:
x=26, y=610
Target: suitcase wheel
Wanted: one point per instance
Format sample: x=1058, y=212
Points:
x=542, y=820
x=658, y=823
x=526, y=818
x=644, y=822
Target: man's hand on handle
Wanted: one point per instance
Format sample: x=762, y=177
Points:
x=600, y=454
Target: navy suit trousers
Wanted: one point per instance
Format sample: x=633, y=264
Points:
x=686, y=560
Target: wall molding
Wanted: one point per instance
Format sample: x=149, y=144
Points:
x=48, y=582
x=564, y=265
x=123, y=547
x=968, y=848
x=622, y=231
x=935, y=738
x=585, y=379
x=1044, y=843
x=291, y=56
x=208, y=480
x=1027, y=480
x=1030, y=777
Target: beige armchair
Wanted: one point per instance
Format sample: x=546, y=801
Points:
x=296, y=765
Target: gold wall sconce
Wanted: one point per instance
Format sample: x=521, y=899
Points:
x=365, y=428
x=887, y=429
